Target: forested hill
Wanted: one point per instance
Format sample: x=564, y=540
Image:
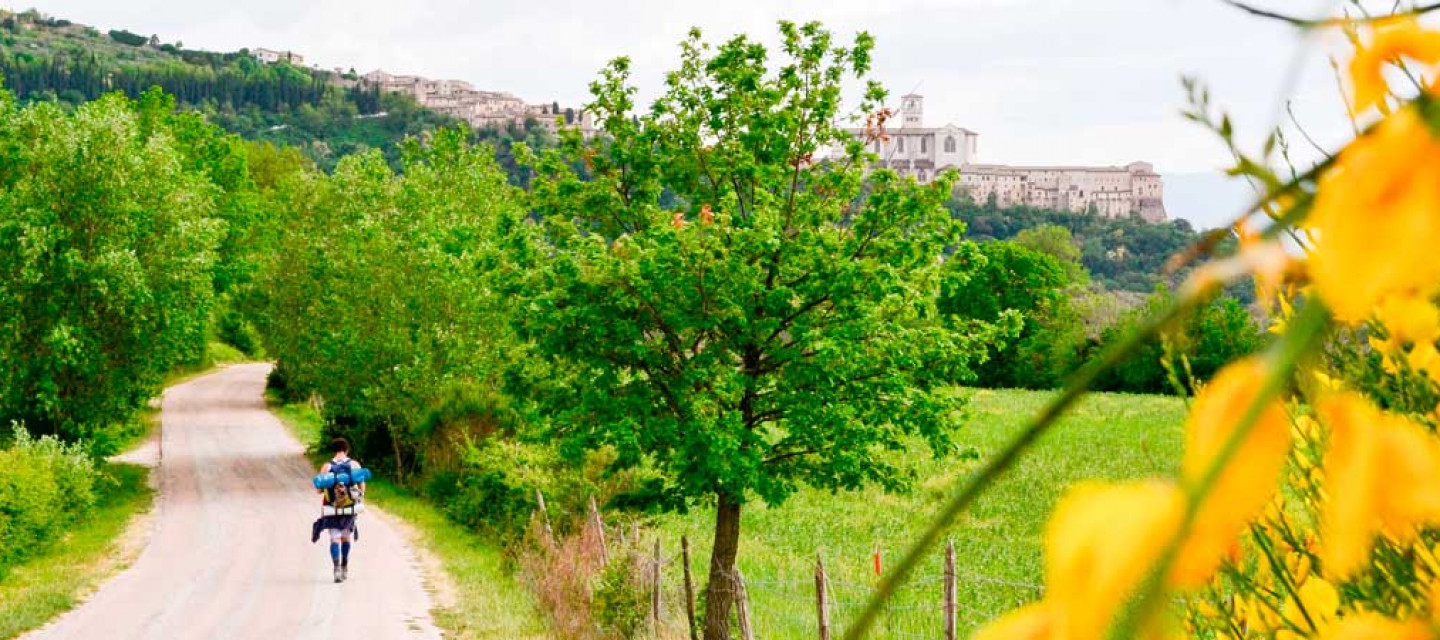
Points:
x=1121, y=253
x=46, y=58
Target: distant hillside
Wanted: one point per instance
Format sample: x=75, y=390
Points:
x=1123, y=254
x=326, y=115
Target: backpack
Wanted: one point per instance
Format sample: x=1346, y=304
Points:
x=338, y=495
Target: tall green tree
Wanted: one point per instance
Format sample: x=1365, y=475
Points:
x=1003, y=282
x=774, y=325
x=107, y=251
x=381, y=295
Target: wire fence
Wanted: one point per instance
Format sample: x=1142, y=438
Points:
x=789, y=607
x=939, y=602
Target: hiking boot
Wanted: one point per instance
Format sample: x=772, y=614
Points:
x=339, y=574
x=344, y=572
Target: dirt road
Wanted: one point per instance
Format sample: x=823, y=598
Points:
x=230, y=555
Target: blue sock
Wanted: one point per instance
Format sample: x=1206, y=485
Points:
x=335, y=552
x=345, y=553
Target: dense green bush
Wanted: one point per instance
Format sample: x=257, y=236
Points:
x=1008, y=284
x=45, y=485
x=236, y=330
x=1191, y=351
x=620, y=601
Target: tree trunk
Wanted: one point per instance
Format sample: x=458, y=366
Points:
x=720, y=593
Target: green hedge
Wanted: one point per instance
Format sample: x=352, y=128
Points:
x=45, y=485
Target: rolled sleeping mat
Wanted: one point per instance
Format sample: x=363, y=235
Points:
x=324, y=481
x=342, y=478
x=356, y=510
x=360, y=475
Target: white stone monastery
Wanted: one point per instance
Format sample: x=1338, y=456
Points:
x=914, y=149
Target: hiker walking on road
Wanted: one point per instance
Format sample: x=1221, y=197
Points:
x=340, y=505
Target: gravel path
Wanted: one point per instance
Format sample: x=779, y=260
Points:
x=230, y=557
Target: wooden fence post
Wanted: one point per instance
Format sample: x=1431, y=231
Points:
x=689, y=588
x=950, y=590
x=742, y=607
x=655, y=591
x=599, y=525
x=822, y=598
x=545, y=517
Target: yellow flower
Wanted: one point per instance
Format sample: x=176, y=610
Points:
x=1032, y=622
x=1373, y=626
x=1374, y=218
x=1249, y=480
x=1100, y=543
x=1382, y=474
x=1409, y=318
x=1318, y=603
x=1425, y=358
x=1391, y=41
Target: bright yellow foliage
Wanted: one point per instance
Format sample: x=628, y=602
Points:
x=1382, y=192
x=1391, y=42
x=1382, y=474
x=1250, y=479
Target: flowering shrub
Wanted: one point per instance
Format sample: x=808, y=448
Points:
x=1308, y=501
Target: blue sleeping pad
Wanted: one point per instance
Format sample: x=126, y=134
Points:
x=326, y=480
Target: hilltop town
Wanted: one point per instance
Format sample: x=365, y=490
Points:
x=914, y=149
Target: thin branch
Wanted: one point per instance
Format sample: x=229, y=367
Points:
x=1305, y=23
x=1290, y=109
x=787, y=456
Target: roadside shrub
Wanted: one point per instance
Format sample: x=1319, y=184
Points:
x=278, y=384
x=45, y=485
x=236, y=331
x=493, y=488
x=1215, y=333
x=619, y=600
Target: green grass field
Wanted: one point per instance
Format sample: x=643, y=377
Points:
x=998, y=543
x=43, y=587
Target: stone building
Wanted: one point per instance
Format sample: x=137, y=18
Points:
x=913, y=149
x=271, y=56
x=477, y=107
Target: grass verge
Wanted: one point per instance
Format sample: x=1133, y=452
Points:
x=998, y=542
x=480, y=597
x=41, y=588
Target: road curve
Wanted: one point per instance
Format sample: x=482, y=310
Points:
x=230, y=557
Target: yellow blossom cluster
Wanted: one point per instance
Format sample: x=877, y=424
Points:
x=1314, y=512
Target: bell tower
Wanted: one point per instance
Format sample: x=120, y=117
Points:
x=912, y=107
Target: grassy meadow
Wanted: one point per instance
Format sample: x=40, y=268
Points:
x=998, y=543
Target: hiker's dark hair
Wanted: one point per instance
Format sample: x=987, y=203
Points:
x=340, y=445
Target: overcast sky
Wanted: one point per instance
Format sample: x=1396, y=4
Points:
x=1043, y=81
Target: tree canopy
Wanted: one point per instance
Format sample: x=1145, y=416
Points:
x=772, y=321
x=107, y=251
